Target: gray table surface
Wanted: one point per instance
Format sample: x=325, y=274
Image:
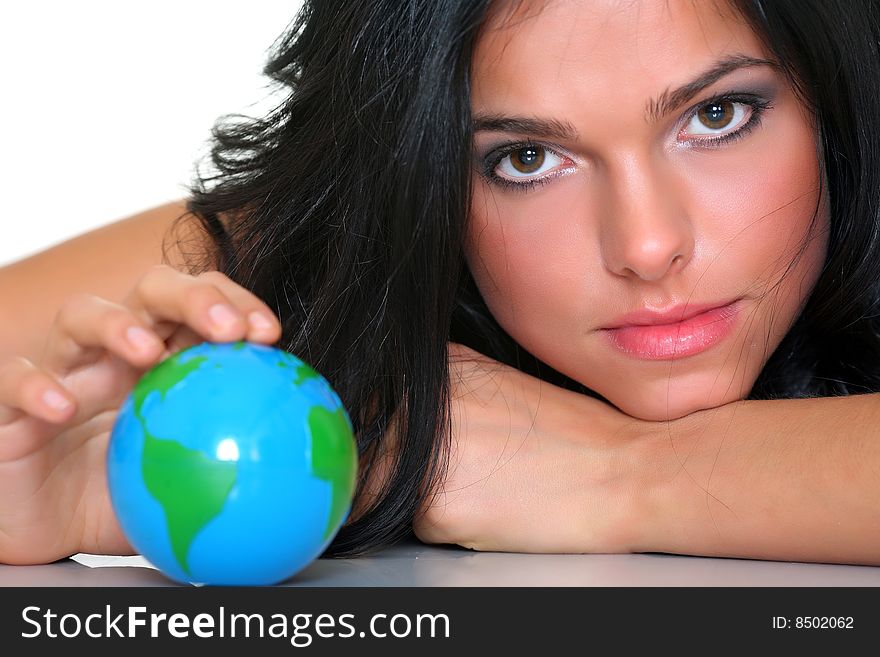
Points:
x=416, y=564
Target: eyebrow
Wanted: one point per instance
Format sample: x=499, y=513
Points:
x=548, y=128
x=669, y=101
x=655, y=109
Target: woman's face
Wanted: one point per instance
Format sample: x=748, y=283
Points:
x=637, y=163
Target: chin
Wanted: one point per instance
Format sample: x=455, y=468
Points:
x=667, y=397
x=656, y=408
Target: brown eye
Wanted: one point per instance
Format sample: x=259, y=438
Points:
x=526, y=164
x=716, y=115
x=527, y=159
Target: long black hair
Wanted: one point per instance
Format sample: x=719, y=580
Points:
x=344, y=209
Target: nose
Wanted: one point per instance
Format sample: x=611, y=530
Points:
x=646, y=233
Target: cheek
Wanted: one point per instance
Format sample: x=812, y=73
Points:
x=530, y=255
x=752, y=220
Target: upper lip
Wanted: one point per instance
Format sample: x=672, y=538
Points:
x=674, y=314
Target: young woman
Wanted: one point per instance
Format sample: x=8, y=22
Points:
x=588, y=276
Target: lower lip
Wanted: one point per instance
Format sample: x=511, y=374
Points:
x=679, y=340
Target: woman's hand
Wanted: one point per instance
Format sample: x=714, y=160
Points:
x=533, y=467
x=53, y=492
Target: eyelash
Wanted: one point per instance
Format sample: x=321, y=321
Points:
x=493, y=158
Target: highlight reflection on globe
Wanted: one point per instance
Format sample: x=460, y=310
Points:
x=231, y=464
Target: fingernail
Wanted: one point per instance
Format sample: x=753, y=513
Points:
x=55, y=400
x=140, y=339
x=259, y=321
x=222, y=316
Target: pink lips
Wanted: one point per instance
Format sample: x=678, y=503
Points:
x=643, y=335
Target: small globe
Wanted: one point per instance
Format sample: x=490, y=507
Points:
x=231, y=464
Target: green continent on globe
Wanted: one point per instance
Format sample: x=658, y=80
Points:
x=334, y=459
x=303, y=371
x=190, y=486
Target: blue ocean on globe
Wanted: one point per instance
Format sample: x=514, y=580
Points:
x=231, y=464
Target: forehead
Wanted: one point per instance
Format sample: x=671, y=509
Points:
x=540, y=52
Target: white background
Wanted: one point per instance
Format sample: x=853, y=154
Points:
x=106, y=106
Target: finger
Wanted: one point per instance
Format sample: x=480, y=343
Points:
x=211, y=305
x=263, y=324
x=87, y=326
x=27, y=390
x=182, y=338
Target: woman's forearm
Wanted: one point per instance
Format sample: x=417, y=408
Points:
x=792, y=480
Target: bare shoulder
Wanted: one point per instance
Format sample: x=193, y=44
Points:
x=106, y=258
x=137, y=241
x=106, y=261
